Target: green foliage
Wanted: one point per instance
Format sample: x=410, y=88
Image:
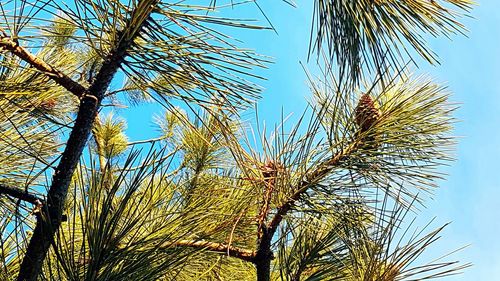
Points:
x=209, y=187
x=331, y=194
x=383, y=34
x=33, y=110
x=109, y=137
x=116, y=233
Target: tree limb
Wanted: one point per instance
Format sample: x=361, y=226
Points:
x=243, y=254
x=50, y=219
x=60, y=78
x=20, y=194
x=304, y=185
x=264, y=254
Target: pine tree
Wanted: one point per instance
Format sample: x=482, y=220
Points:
x=328, y=199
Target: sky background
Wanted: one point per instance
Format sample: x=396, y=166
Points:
x=470, y=196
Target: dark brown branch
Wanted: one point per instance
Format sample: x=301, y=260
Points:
x=264, y=255
x=20, y=194
x=243, y=254
x=48, y=222
x=60, y=78
x=304, y=185
x=50, y=219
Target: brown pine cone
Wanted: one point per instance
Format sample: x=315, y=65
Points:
x=48, y=104
x=366, y=113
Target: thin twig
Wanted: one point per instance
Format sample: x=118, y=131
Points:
x=234, y=228
x=60, y=78
x=243, y=254
x=146, y=141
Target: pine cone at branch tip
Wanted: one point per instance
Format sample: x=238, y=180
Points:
x=48, y=104
x=366, y=113
x=270, y=169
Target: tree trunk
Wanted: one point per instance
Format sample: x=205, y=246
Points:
x=263, y=266
x=50, y=218
x=264, y=256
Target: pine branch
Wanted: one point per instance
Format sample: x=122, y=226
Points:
x=20, y=194
x=304, y=185
x=264, y=254
x=243, y=254
x=60, y=78
x=50, y=220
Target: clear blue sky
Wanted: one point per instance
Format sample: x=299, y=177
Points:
x=470, y=196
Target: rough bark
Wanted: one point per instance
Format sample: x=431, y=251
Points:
x=264, y=256
x=50, y=219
